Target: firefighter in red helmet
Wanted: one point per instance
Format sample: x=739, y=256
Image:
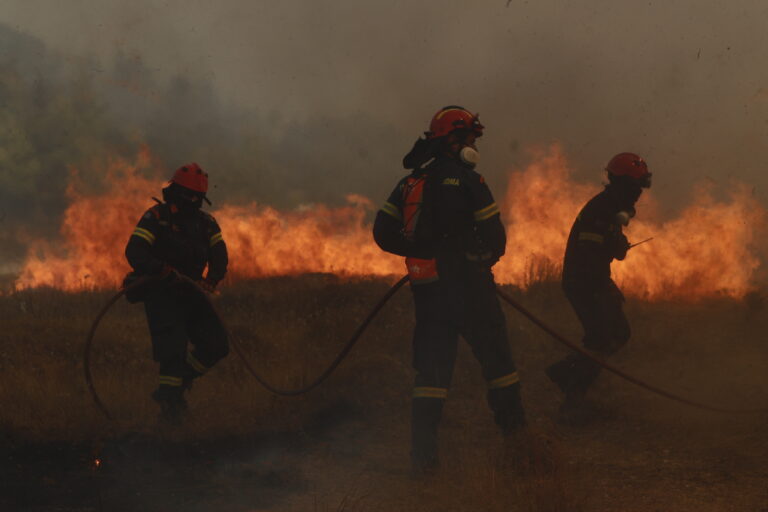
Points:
x=444, y=220
x=595, y=240
x=175, y=237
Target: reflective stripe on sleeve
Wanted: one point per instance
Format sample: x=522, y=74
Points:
x=591, y=237
x=505, y=381
x=392, y=210
x=487, y=212
x=425, y=392
x=216, y=239
x=145, y=234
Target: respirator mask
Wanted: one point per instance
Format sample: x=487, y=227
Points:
x=469, y=156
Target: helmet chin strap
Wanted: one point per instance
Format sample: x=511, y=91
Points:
x=469, y=156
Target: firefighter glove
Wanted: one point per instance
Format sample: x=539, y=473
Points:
x=622, y=246
x=168, y=273
x=207, y=285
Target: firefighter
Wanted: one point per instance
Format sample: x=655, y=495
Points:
x=176, y=238
x=595, y=240
x=443, y=219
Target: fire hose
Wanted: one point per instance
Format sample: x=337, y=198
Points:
x=236, y=345
x=634, y=380
x=356, y=336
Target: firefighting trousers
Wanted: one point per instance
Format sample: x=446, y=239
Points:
x=463, y=305
x=606, y=330
x=179, y=315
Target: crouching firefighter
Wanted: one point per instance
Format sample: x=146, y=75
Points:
x=595, y=240
x=173, y=238
x=443, y=219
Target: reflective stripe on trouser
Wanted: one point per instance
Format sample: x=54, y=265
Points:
x=195, y=364
x=429, y=392
x=504, y=381
x=170, y=380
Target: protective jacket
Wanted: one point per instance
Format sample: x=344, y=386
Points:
x=596, y=239
x=187, y=242
x=443, y=212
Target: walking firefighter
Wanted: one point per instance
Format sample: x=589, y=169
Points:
x=176, y=238
x=595, y=240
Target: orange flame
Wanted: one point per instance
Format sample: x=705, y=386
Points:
x=94, y=231
x=263, y=241
x=706, y=251
x=709, y=250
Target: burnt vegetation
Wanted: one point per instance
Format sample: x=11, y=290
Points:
x=344, y=446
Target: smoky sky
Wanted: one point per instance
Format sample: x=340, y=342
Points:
x=299, y=101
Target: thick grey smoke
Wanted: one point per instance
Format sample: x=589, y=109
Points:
x=290, y=102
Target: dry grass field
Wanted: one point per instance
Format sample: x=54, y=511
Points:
x=344, y=446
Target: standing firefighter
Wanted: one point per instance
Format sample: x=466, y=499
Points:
x=443, y=219
x=175, y=238
x=596, y=239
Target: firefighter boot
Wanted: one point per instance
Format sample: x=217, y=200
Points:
x=508, y=411
x=425, y=419
x=574, y=375
x=173, y=407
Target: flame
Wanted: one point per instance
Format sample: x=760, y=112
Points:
x=708, y=250
x=261, y=240
x=539, y=207
x=94, y=231
x=264, y=241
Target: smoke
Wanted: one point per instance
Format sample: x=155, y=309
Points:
x=58, y=118
x=49, y=119
x=295, y=102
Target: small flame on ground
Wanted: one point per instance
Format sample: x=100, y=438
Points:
x=708, y=250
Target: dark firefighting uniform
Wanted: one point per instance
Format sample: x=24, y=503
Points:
x=444, y=220
x=595, y=240
x=176, y=311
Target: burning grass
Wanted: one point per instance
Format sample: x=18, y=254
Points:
x=345, y=445
x=710, y=249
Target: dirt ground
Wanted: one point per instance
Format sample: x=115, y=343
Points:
x=344, y=446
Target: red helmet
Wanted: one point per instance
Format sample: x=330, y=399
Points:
x=453, y=118
x=630, y=165
x=191, y=176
